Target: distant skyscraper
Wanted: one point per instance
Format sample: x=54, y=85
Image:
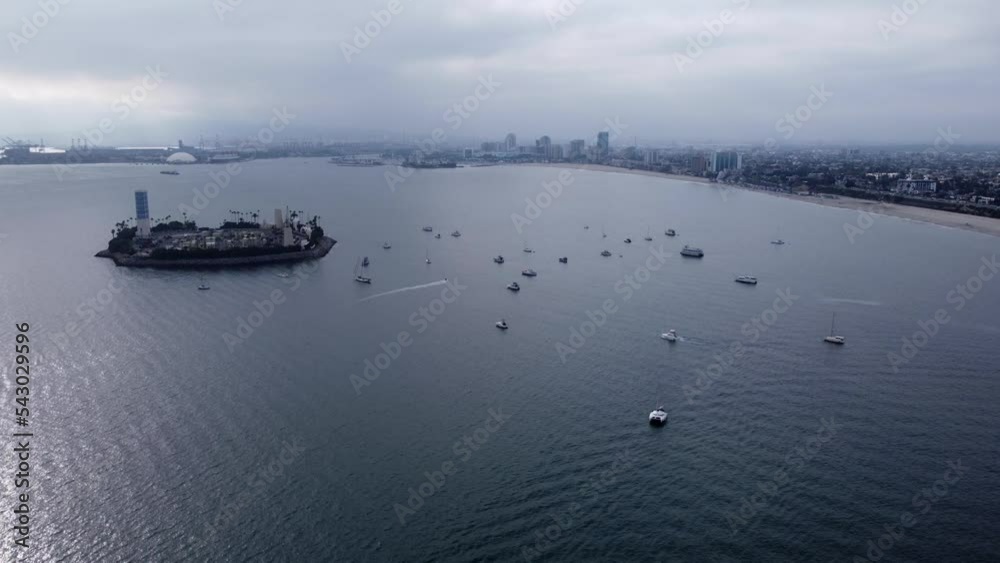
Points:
x=725, y=160
x=576, y=148
x=511, y=142
x=142, y=213
x=603, y=144
x=543, y=145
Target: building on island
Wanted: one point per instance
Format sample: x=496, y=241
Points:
x=142, y=214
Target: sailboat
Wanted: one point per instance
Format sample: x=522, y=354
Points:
x=204, y=286
x=648, y=236
x=777, y=241
x=428, y=259
x=358, y=277
x=834, y=339
x=603, y=234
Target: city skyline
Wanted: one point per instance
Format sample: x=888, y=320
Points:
x=731, y=71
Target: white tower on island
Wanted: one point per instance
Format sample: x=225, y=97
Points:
x=279, y=221
x=142, y=213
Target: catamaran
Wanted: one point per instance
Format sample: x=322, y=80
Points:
x=658, y=417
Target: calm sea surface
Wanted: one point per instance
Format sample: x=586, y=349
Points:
x=159, y=438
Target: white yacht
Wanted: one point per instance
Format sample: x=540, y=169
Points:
x=658, y=417
x=502, y=324
x=670, y=233
x=692, y=252
x=529, y=273
x=749, y=280
x=834, y=338
x=428, y=229
x=670, y=335
x=514, y=287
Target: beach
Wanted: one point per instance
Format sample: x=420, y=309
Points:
x=983, y=225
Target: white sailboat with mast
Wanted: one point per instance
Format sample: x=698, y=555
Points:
x=834, y=338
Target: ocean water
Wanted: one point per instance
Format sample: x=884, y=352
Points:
x=177, y=425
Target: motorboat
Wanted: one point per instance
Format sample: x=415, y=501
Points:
x=628, y=241
x=586, y=227
x=386, y=245
x=363, y=279
x=670, y=335
x=749, y=280
x=658, y=417
x=564, y=260
x=670, y=233
x=692, y=252
x=170, y=172
x=529, y=273
x=514, y=287
x=498, y=259
x=428, y=229
x=502, y=324
x=456, y=234
x=606, y=253
x=528, y=249
x=778, y=242
x=437, y=235
x=834, y=338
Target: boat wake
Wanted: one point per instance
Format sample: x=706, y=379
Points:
x=402, y=289
x=852, y=301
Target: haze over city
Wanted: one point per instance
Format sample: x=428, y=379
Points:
x=683, y=71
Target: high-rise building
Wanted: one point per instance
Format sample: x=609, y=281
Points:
x=699, y=164
x=725, y=160
x=603, y=144
x=543, y=145
x=511, y=142
x=576, y=148
x=142, y=214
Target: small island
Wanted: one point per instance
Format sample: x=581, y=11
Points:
x=243, y=241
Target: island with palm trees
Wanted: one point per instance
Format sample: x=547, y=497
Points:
x=242, y=240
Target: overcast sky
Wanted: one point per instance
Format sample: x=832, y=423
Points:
x=561, y=71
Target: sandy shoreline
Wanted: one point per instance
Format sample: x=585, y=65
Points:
x=982, y=225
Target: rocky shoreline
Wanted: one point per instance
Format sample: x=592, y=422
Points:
x=130, y=261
